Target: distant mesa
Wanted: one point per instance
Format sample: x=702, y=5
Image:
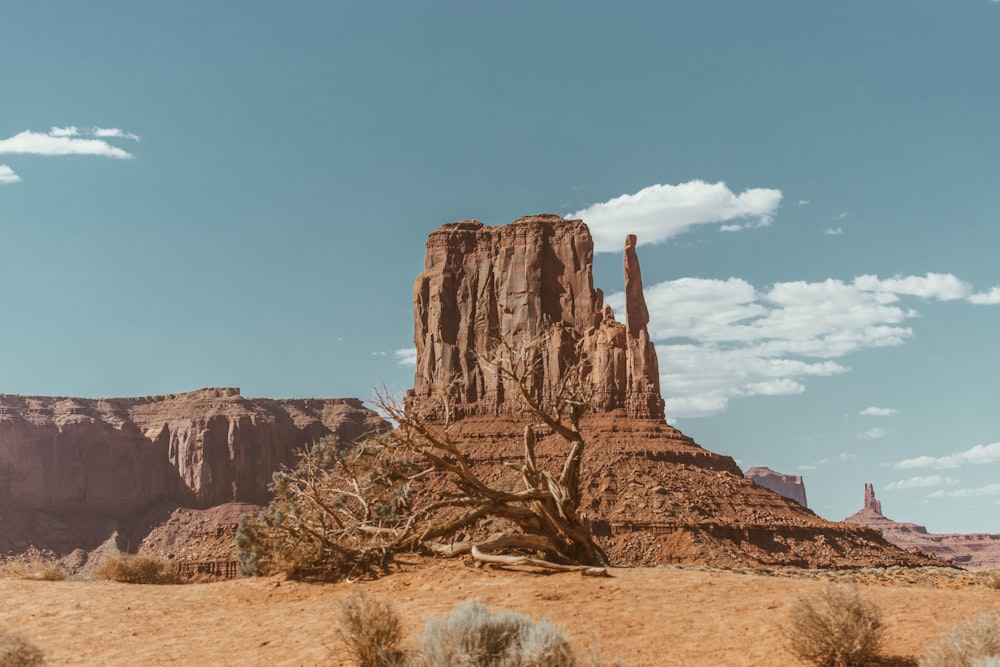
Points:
x=75, y=470
x=969, y=550
x=789, y=486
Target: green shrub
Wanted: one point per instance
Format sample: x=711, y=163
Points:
x=371, y=629
x=975, y=644
x=474, y=636
x=835, y=627
x=134, y=569
x=16, y=651
x=35, y=569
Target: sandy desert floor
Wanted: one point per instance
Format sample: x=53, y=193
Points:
x=642, y=616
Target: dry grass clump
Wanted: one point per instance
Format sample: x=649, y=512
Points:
x=975, y=644
x=136, y=569
x=371, y=628
x=835, y=627
x=990, y=578
x=475, y=636
x=35, y=569
x=16, y=651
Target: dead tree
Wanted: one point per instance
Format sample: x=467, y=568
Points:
x=344, y=512
x=546, y=512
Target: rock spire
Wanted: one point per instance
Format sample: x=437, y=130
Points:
x=527, y=281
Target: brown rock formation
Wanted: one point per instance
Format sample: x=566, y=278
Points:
x=103, y=461
x=789, y=486
x=654, y=495
x=976, y=551
x=522, y=282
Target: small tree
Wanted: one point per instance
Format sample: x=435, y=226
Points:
x=345, y=510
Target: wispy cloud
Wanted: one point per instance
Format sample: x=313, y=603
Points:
x=724, y=339
x=988, y=490
x=920, y=482
x=7, y=175
x=71, y=131
x=406, y=356
x=841, y=215
x=874, y=411
x=876, y=433
x=114, y=132
x=833, y=231
x=659, y=212
x=60, y=141
x=805, y=202
x=978, y=455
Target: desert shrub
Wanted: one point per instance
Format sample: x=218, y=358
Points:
x=35, y=569
x=337, y=513
x=990, y=578
x=16, y=651
x=835, y=627
x=135, y=569
x=370, y=627
x=474, y=636
x=975, y=644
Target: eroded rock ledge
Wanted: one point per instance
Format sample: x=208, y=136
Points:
x=115, y=457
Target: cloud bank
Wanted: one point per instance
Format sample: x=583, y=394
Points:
x=724, y=339
x=659, y=212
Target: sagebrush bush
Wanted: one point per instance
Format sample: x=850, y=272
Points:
x=16, y=651
x=136, y=569
x=836, y=627
x=371, y=629
x=35, y=569
x=990, y=578
x=474, y=636
x=975, y=644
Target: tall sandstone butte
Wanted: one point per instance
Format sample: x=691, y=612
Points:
x=654, y=495
x=527, y=281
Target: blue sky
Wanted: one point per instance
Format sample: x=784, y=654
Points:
x=238, y=194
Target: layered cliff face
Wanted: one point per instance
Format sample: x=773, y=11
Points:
x=520, y=284
x=789, y=486
x=116, y=457
x=654, y=496
x=970, y=550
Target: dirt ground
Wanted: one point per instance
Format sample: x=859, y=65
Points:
x=641, y=616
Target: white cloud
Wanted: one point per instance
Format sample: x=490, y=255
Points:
x=988, y=490
x=7, y=175
x=990, y=298
x=113, y=132
x=406, y=356
x=805, y=202
x=70, y=131
x=920, y=482
x=659, y=212
x=978, y=455
x=873, y=411
x=940, y=286
x=724, y=339
x=59, y=141
x=873, y=433
x=841, y=215
x=807, y=467
x=833, y=231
